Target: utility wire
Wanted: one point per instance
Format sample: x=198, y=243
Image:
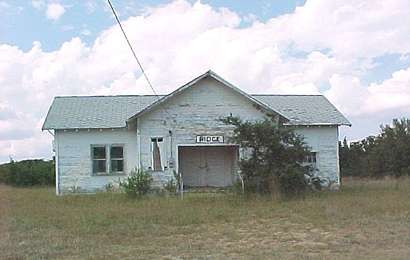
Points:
x=132, y=49
x=135, y=56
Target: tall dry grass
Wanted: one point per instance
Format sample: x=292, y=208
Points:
x=366, y=219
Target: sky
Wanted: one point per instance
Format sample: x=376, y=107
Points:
x=355, y=52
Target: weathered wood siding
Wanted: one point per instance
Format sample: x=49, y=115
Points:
x=179, y=120
x=74, y=157
x=324, y=141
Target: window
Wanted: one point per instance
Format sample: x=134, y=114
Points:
x=157, y=148
x=107, y=159
x=117, y=159
x=99, y=157
x=311, y=159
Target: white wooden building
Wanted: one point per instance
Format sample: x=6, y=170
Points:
x=99, y=139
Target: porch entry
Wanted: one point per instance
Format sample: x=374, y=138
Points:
x=207, y=166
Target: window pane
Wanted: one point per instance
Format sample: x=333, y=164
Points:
x=311, y=158
x=117, y=152
x=157, y=139
x=117, y=165
x=99, y=166
x=156, y=156
x=99, y=152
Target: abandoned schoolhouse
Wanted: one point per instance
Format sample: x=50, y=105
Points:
x=100, y=139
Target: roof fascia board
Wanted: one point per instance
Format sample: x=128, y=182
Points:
x=197, y=79
x=331, y=104
x=254, y=100
x=85, y=128
x=43, y=127
x=318, y=124
x=166, y=97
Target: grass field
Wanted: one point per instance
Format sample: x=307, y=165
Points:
x=365, y=220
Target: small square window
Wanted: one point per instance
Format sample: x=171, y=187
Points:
x=107, y=159
x=311, y=158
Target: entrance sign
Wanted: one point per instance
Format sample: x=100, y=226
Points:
x=210, y=139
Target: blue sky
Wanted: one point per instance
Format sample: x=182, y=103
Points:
x=22, y=24
x=355, y=52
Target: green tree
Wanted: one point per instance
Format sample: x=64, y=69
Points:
x=272, y=156
x=28, y=172
x=387, y=154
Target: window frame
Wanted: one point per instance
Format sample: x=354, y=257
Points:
x=161, y=152
x=93, y=159
x=313, y=163
x=118, y=159
x=108, y=166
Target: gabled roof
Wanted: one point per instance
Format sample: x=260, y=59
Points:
x=305, y=109
x=190, y=84
x=88, y=112
x=76, y=112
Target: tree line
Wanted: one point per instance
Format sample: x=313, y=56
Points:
x=28, y=172
x=386, y=154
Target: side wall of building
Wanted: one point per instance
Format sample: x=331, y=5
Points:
x=74, y=157
x=324, y=141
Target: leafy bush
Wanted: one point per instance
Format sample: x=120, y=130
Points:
x=137, y=184
x=28, y=173
x=292, y=182
x=272, y=156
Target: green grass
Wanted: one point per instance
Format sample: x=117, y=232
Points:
x=366, y=219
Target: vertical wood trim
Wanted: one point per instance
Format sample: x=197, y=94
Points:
x=57, y=148
x=139, y=166
x=337, y=156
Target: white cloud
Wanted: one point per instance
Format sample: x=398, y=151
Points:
x=54, y=11
x=38, y=4
x=4, y=5
x=322, y=44
x=355, y=99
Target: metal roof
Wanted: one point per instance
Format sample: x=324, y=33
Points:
x=305, y=109
x=76, y=112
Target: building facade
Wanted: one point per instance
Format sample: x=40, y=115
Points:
x=100, y=139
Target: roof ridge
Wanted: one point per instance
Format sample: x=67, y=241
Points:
x=91, y=96
x=308, y=95
x=151, y=95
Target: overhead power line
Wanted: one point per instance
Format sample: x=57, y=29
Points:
x=132, y=49
x=136, y=58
